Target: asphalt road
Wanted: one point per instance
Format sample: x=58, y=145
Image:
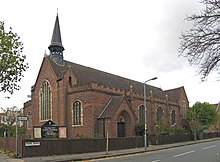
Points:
x=201, y=152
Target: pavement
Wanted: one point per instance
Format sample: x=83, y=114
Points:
x=98, y=155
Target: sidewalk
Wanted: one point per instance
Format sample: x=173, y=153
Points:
x=97, y=155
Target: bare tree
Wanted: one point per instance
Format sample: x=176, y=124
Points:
x=201, y=44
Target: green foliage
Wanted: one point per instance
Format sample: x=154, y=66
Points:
x=163, y=127
x=10, y=130
x=201, y=116
x=177, y=130
x=12, y=63
x=204, y=113
x=139, y=129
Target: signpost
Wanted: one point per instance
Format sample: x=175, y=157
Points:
x=18, y=118
x=22, y=118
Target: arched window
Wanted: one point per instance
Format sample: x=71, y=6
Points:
x=77, y=113
x=173, y=117
x=159, y=113
x=141, y=114
x=45, y=101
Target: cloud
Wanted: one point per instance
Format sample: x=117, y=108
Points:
x=162, y=55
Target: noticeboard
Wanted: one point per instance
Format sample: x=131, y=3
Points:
x=37, y=132
x=49, y=130
x=62, y=132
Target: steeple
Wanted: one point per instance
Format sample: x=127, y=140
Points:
x=56, y=48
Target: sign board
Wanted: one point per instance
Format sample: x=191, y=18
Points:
x=37, y=132
x=49, y=130
x=27, y=144
x=62, y=132
x=22, y=118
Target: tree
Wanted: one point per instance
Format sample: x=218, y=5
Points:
x=201, y=116
x=162, y=127
x=12, y=63
x=10, y=114
x=8, y=128
x=200, y=45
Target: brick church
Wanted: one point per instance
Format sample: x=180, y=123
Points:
x=87, y=102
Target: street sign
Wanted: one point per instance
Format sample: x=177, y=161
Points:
x=27, y=144
x=22, y=118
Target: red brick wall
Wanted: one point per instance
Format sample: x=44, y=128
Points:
x=93, y=101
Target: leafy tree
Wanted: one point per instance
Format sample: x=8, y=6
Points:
x=12, y=63
x=10, y=130
x=163, y=127
x=10, y=113
x=200, y=45
x=201, y=116
x=9, y=127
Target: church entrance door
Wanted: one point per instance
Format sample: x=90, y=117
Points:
x=121, y=127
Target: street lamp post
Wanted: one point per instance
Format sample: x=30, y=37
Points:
x=145, y=110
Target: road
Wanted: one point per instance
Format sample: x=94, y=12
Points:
x=201, y=152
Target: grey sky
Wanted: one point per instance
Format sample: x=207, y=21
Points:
x=130, y=38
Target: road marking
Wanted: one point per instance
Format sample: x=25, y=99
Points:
x=204, y=148
x=184, y=153
x=155, y=160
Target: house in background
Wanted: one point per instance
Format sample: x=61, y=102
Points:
x=88, y=102
x=216, y=127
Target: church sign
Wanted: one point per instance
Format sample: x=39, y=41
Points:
x=50, y=130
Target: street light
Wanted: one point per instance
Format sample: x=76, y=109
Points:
x=145, y=115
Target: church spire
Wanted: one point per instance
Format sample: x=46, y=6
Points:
x=56, y=48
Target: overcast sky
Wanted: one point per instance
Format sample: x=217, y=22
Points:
x=136, y=39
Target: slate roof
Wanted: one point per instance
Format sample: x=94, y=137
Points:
x=56, y=37
x=89, y=75
x=173, y=94
x=111, y=107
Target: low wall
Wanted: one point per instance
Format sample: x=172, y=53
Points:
x=42, y=147
x=9, y=143
x=167, y=139
x=211, y=135
x=48, y=147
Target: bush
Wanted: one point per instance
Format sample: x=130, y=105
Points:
x=139, y=129
x=10, y=130
x=176, y=130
